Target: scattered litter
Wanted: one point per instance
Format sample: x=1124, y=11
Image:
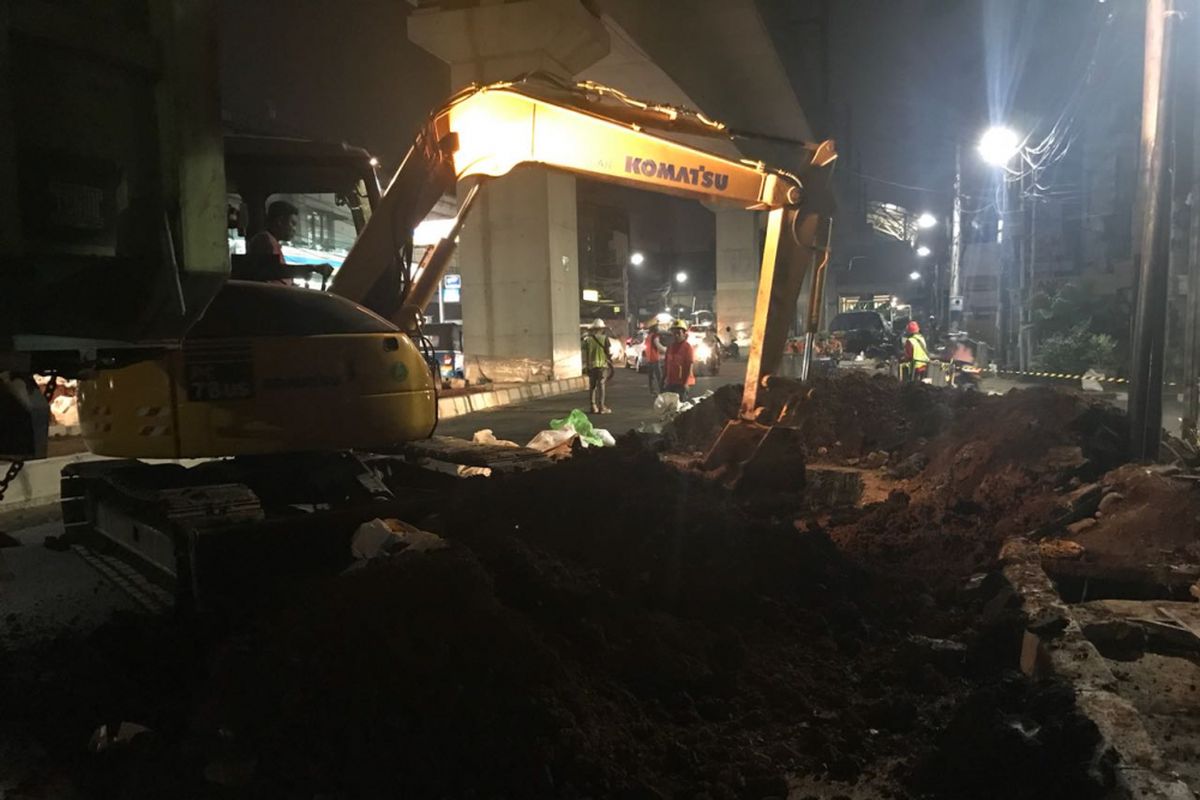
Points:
x=486, y=436
x=666, y=405
x=581, y=425
x=548, y=440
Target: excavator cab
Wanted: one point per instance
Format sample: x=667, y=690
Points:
x=335, y=187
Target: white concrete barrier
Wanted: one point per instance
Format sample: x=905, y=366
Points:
x=449, y=407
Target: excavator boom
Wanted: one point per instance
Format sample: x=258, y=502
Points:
x=487, y=131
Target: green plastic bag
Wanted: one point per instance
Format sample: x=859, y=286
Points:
x=582, y=425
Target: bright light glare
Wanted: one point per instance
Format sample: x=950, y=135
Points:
x=926, y=221
x=914, y=276
x=923, y=251
x=998, y=145
x=703, y=351
x=431, y=231
x=681, y=277
x=636, y=259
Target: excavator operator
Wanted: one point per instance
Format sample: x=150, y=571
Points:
x=915, y=364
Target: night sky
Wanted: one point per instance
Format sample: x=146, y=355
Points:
x=905, y=81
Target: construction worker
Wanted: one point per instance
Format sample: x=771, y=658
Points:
x=653, y=351
x=915, y=363
x=597, y=362
x=282, y=223
x=677, y=363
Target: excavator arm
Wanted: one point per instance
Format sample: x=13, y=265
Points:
x=486, y=132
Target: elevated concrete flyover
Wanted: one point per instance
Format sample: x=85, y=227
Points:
x=519, y=256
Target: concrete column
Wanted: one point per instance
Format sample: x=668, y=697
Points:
x=738, y=261
x=518, y=253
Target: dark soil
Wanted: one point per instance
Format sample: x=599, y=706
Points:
x=616, y=627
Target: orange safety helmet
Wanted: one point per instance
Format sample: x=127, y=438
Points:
x=913, y=327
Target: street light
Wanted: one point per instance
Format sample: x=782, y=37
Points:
x=998, y=145
x=636, y=258
x=681, y=277
x=926, y=221
x=923, y=251
x=914, y=276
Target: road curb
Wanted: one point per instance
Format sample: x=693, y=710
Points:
x=1068, y=654
x=450, y=407
x=38, y=483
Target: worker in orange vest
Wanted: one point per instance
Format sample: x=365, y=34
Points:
x=677, y=372
x=653, y=350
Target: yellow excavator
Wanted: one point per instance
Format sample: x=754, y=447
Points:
x=313, y=392
x=274, y=369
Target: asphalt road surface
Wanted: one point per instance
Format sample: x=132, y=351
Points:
x=628, y=396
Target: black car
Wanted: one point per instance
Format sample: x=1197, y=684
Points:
x=865, y=332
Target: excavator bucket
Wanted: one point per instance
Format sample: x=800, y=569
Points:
x=764, y=457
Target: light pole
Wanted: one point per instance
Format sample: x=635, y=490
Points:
x=997, y=146
x=636, y=259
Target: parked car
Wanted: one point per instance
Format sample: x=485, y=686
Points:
x=865, y=332
x=635, y=347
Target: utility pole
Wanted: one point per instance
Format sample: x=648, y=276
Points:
x=1146, y=374
x=956, y=300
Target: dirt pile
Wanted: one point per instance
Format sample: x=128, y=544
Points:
x=848, y=415
x=1135, y=516
x=577, y=640
x=616, y=627
x=995, y=470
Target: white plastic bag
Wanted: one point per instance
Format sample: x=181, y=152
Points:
x=666, y=405
x=550, y=439
x=486, y=436
x=1091, y=381
x=606, y=437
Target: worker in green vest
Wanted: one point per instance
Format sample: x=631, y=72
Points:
x=597, y=364
x=916, y=354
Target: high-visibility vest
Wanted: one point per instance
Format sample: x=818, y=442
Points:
x=678, y=369
x=595, y=352
x=650, y=348
x=920, y=353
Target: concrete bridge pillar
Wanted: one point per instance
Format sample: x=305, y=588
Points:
x=518, y=252
x=739, y=255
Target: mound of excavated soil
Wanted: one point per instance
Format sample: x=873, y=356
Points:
x=608, y=627
x=849, y=415
x=614, y=627
x=991, y=473
x=1143, y=518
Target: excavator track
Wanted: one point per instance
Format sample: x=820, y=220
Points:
x=220, y=533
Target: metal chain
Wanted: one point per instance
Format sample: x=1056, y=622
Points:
x=14, y=468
